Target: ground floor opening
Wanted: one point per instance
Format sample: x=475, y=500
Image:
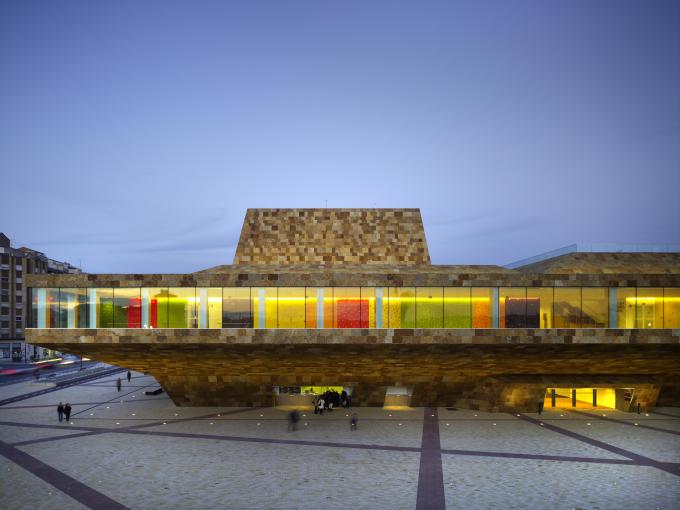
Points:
x=588, y=398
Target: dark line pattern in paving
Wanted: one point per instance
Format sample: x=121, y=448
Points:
x=32, y=394
x=77, y=404
x=88, y=431
x=431, y=476
x=669, y=467
x=624, y=422
x=117, y=397
x=676, y=416
x=532, y=456
x=69, y=486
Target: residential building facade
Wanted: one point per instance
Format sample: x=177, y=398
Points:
x=15, y=265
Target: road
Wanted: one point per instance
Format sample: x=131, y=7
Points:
x=29, y=367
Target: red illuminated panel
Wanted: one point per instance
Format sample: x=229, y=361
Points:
x=153, y=313
x=134, y=315
x=352, y=313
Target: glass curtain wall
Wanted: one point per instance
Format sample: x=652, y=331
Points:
x=539, y=307
x=355, y=307
x=457, y=307
x=594, y=307
x=649, y=308
x=671, y=308
x=291, y=303
x=625, y=307
x=567, y=307
x=236, y=307
x=429, y=307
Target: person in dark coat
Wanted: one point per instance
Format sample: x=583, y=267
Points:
x=353, y=422
x=60, y=411
x=129, y=375
x=118, y=384
x=67, y=411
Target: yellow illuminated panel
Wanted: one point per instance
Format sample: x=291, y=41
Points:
x=671, y=308
x=291, y=307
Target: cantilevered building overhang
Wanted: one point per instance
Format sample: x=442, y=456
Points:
x=348, y=297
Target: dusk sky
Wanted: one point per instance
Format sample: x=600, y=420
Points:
x=134, y=135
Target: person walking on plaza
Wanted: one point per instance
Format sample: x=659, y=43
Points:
x=67, y=411
x=321, y=404
x=293, y=419
x=118, y=384
x=129, y=376
x=354, y=420
x=60, y=411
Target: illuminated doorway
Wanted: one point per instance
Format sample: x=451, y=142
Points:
x=580, y=398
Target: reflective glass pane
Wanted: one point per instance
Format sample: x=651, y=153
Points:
x=73, y=308
x=347, y=310
x=291, y=304
x=539, y=307
x=182, y=307
x=457, y=307
x=319, y=307
x=367, y=309
x=104, y=305
x=429, y=307
x=512, y=307
x=264, y=307
x=649, y=313
x=236, y=307
x=37, y=308
x=209, y=300
x=671, y=308
x=312, y=300
x=567, y=307
x=155, y=307
x=127, y=308
x=402, y=307
x=594, y=307
x=625, y=308
x=481, y=307
x=52, y=308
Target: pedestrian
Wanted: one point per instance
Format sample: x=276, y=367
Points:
x=321, y=404
x=293, y=419
x=60, y=411
x=118, y=384
x=67, y=411
x=353, y=422
x=129, y=376
x=638, y=408
x=541, y=403
x=316, y=405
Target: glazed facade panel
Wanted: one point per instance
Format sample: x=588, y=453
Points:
x=356, y=307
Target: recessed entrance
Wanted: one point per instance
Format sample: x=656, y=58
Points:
x=580, y=398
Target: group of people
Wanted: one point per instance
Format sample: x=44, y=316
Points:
x=294, y=418
x=330, y=399
x=64, y=411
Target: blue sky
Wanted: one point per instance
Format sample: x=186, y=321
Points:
x=134, y=135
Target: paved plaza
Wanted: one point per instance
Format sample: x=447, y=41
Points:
x=129, y=450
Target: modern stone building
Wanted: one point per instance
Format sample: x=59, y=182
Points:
x=15, y=265
x=348, y=298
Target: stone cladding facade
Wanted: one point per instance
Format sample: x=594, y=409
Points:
x=486, y=369
x=332, y=236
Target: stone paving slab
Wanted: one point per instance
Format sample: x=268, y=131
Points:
x=166, y=473
x=22, y=490
x=14, y=434
x=659, y=446
x=522, y=484
x=512, y=435
x=375, y=426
